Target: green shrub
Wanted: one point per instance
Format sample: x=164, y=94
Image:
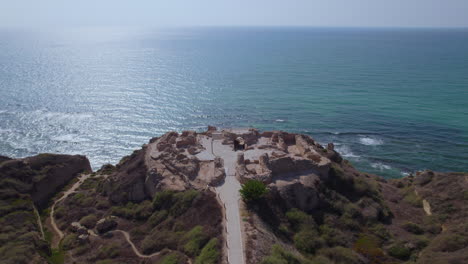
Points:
x=82, y=249
x=183, y=201
x=298, y=218
x=69, y=241
x=159, y=239
x=253, y=190
x=348, y=221
x=340, y=255
x=194, y=240
x=157, y=217
x=399, y=251
x=308, y=241
x=90, y=183
x=422, y=242
x=57, y=256
x=102, y=204
x=175, y=202
x=209, y=254
x=369, y=246
x=172, y=258
x=365, y=187
x=380, y=231
x=162, y=199
x=280, y=256
x=333, y=236
x=89, y=221
x=450, y=242
x=143, y=210
x=413, y=228
x=411, y=198
x=108, y=251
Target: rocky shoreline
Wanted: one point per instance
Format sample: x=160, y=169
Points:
x=318, y=209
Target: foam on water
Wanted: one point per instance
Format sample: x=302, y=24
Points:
x=380, y=166
x=370, y=141
x=345, y=151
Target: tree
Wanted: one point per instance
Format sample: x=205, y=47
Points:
x=253, y=190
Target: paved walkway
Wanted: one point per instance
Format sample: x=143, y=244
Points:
x=229, y=195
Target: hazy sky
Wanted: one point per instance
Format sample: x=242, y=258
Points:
x=154, y=13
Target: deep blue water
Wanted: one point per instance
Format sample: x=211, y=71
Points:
x=393, y=100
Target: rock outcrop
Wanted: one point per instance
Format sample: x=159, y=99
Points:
x=27, y=184
x=42, y=176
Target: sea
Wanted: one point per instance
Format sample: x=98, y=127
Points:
x=393, y=101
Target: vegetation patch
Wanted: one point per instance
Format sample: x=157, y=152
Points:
x=253, y=190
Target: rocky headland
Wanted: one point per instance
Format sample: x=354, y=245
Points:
x=172, y=201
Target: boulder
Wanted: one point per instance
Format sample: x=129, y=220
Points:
x=423, y=178
x=299, y=193
x=74, y=226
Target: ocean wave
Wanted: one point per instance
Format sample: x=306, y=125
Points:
x=345, y=151
x=380, y=166
x=279, y=120
x=370, y=141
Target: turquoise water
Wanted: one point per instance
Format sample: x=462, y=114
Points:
x=393, y=101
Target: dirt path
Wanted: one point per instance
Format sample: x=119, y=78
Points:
x=135, y=249
x=57, y=231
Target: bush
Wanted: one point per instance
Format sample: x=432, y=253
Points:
x=157, y=217
x=298, y=218
x=172, y=258
x=194, y=240
x=159, y=239
x=411, y=198
x=176, y=203
x=69, y=241
x=340, y=255
x=108, y=251
x=399, y=251
x=333, y=236
x=308, y=241
x=253, y=190
x=280, y=256
x=369, y=246
x=89, y=221
x=209, y=254
x=413, y=228
x=450, y=242
x=380, y=231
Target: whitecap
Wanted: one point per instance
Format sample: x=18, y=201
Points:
x=380, y=166
x=279, y=120
x=345, y=151
x=370, y=141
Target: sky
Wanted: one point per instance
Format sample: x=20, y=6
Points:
x=168, y=13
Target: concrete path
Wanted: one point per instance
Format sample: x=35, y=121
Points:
x=229, y=195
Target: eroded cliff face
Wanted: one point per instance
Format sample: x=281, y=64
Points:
x=27, y=184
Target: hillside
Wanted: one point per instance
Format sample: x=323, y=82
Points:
x=167, y=203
